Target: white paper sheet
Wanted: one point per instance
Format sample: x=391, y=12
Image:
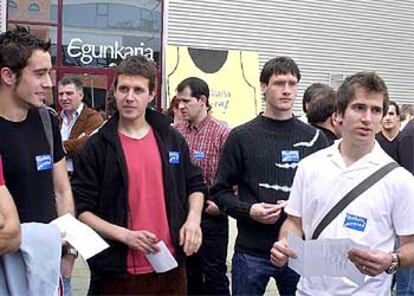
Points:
x=324, y=257
x=80, y=236
x=163, y=260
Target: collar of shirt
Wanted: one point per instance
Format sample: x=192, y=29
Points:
x=375, y=158
x=200, y=125
x=75, y=114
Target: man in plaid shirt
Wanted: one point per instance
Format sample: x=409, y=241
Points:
x=205, y=135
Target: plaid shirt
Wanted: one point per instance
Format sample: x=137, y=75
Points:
x=206, y=142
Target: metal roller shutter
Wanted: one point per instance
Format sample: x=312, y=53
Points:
x=328, y=39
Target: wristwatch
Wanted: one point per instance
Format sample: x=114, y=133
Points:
x=395, y=264
x=71, y=251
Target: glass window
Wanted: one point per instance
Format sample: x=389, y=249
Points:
x=105, y=33
x=146, y=20
x=124, y=17
x=72, y=16
x=12, y=8
x=33, y=9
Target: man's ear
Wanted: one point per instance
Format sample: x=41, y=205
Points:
x=338, y=118
x=263, y=86
x=8, y=77
x=152, y=96
x=203, y=98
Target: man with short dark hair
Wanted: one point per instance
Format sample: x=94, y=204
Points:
x=206, y=270
x=382, y=211
x=35, y=175
x=77, y=121
x=322, y=110
x=135, y=184
x=388, y=137
x=260, y=157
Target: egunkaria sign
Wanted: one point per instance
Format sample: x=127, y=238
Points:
x=88, y=52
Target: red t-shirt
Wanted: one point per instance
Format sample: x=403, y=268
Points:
x=1, y=173
x=147, y=209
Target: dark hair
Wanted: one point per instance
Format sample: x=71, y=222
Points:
x=397, y=108
x=280, y=65
x=175, y=102
x=138, y=66
x=197, y=86
x=369, y=81
x=16, y=48
x=406, y=109
x=322, y=103
x=309, y=94
x=72, y=79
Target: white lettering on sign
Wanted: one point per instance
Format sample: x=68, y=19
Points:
x=88, y=52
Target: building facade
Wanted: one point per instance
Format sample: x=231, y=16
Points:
x=89, y=37
x=328, y=39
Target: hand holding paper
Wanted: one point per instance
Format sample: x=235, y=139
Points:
x=163, y=260
x=80, y=236
x=324, y=257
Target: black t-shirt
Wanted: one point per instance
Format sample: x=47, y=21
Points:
x=390, y=147
x=27, y=165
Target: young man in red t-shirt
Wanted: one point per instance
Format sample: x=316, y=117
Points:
x=135, y=184
x=9, y=220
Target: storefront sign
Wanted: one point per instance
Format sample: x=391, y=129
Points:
x=88, y=52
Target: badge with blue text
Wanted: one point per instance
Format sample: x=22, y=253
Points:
x=174, y=157
x=290, y=155
x=44, y=162
x=199, y=155
x=355, y=222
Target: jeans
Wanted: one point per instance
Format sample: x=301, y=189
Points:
x=405, y=282
x=67, y=286
x=251, y=274
x=206, y=270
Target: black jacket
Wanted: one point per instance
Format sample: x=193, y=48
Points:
x=100, y=185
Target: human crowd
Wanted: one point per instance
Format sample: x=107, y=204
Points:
x=140, y=177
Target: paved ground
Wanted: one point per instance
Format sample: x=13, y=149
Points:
x=80, y=278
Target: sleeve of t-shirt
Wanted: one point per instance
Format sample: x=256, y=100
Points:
x=403, y=203
x=1, y=173
x=58, y=152
x=297, y=194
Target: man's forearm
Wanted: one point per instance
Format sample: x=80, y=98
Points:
x=196, y=204
x=64, y=203
x=406, y=251
x=10, y=233
x=291, y=224
x=104, y=228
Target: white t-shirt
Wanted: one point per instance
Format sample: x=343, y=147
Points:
x=386, y=208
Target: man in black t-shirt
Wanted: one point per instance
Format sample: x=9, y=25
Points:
x=36, y=179
x=389, y=135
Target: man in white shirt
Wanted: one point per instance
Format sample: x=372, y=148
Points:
x=386, y=208
x=77, y=121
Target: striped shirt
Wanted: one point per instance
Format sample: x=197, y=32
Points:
x=206, y=141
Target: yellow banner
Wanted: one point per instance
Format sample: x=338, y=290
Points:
x=232, y=76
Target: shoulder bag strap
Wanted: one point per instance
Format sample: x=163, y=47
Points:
x=47, y=126
x=353, y=194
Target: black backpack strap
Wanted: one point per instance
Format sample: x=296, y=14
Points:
x=353, y=194
x=47, y=126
